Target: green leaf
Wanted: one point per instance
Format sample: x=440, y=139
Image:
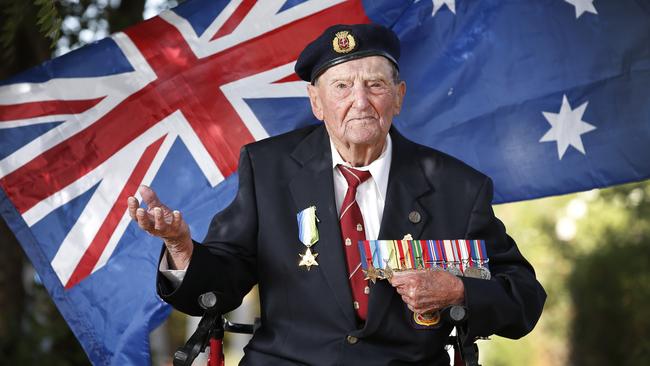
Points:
x=49, y=20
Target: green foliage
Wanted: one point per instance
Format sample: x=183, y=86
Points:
x=15, y=14
x=12, y=15
x=610, y=288
x=48, y=20
x=591, y=251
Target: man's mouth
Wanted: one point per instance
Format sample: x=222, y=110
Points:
x=363, y=119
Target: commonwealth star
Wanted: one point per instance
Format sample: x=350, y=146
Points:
x=567, y=127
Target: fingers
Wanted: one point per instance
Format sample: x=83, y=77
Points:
x=421, y=291
x=177, y=221
x=132, y=204
x=401, y=278
x=396, y=280
x=406, y=291
x=167, y=225
x=415, y=305
x=413, y=294
x=408, y=294
x=149, y=196
x=143, y=220
x=159, y=220
x=420, y=303
x=138, y=214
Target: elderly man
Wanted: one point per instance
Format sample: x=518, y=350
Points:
x=352, y=178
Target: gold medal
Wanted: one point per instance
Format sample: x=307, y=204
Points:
x=308, y=259
x=371, y=274
x=388, y=273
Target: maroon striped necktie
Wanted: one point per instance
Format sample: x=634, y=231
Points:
x=352, y=231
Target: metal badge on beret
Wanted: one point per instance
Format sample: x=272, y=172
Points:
x=343, y=42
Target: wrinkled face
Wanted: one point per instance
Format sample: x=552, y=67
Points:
x=357, y=100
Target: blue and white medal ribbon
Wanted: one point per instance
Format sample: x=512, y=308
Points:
x=308, y=235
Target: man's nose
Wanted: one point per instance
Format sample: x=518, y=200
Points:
x=361, y=97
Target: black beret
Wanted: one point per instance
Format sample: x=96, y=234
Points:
x=342, y=42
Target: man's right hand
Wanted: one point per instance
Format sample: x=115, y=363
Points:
x=158, y=220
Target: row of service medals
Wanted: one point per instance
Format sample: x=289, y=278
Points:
x=460, y=257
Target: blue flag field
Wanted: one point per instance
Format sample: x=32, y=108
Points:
x=546, y=97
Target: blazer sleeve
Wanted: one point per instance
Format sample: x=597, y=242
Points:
x=511, y=302
x=226, y=261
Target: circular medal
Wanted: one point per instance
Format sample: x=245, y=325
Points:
x=453, y=269
x=473, y=272
x=485, y=273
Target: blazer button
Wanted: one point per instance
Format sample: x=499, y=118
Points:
x=415, y=217
x=352, y=339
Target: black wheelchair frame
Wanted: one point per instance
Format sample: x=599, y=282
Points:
x=213, y=325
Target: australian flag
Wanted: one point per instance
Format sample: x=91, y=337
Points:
x=546, y=97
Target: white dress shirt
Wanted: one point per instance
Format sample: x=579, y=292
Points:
x=371, y=197
x=371, y=194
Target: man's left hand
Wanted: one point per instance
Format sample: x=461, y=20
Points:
x=426, y=291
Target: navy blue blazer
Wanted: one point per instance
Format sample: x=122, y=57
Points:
x=307, y=316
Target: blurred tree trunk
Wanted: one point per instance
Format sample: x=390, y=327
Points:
x=29, y=48
x=12, y=291
x=128, y=13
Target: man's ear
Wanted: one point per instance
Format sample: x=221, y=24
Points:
x=314, y=100
x=401, y=91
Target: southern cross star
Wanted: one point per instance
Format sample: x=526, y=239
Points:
x=437, y=4
x=583, y=6
x=567, y=127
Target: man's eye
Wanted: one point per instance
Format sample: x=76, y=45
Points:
x=340, y=85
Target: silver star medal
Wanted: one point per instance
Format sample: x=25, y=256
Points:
x=308, y=235
x=308, y=259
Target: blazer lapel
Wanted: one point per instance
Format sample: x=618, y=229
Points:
x=404, y=213
x=313, y=185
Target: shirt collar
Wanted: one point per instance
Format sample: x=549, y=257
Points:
x=379, y=169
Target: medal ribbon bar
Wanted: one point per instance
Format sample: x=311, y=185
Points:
x=461, y=257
